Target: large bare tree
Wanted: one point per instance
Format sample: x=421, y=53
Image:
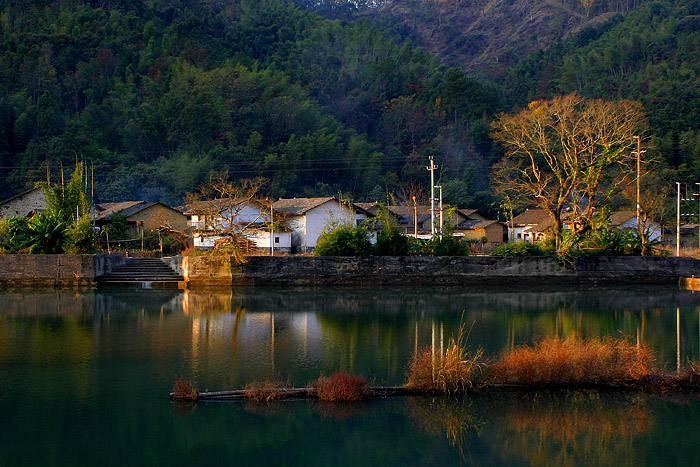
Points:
x=220, y=202
x=569, y=153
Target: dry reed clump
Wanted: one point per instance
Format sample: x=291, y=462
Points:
x=454, y=371
x=341, y=387
x=553, y=360
x=689, y=377
x=265, y=391
x=183, y=390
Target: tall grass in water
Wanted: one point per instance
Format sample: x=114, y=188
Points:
x=341, y=387
x=553, y=360
x=183, y=390
x=265, y=391
x=455, y=370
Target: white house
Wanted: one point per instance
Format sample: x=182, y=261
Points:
x=627, y=220
x=535, y=225
x=308, y=217
x=530, y=226
x=210, y=220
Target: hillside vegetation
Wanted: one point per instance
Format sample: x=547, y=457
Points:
x=652, y=55
x=157, y=95
x=482, y=37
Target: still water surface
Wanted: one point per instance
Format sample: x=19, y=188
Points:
x=84, y=377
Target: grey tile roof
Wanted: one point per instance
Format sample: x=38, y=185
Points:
x=299, y=206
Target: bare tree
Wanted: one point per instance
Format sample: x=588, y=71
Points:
x=568, y=153
x=219, y=205
x=655, y=203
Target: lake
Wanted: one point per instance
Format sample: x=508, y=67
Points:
x=85, y=374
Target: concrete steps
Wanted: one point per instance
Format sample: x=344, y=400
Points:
x=142, y=271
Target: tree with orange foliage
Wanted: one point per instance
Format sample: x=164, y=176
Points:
x=568, y=156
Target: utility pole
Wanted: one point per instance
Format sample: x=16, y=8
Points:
x=415, y=218
x=440, y=187
x=272, y=233
x=698, y=195
x=639, y=178
x=639, y=164
x=432, y=168
x=678, y=220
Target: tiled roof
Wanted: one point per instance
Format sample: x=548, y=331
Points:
x=366, y=206
x=476, y=224
x=299, y=206
x=532, y=217
x=18, y=195
x=105, y=211
x=620, y=217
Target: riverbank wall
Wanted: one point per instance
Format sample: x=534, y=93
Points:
x=426, y=270
x=208, y=271
x=56, y=270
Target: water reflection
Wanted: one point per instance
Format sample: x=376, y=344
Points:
x=94, y=366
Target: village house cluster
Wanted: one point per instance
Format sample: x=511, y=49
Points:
x=294, y=225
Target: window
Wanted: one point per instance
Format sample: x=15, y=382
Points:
x=277, y=239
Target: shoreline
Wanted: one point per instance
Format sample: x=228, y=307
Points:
x=483, y=271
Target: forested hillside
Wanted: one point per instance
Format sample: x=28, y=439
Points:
x=652, y=55
x=482, y=37
x=157, y=95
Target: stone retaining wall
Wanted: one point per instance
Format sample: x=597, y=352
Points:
x=55, y=270
x=425, y=270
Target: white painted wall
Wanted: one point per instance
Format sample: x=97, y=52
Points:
x=261, y=238
x=323, y=216
x=653, y=229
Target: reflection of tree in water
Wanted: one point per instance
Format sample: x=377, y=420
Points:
x=567, y=429
x=341, y=411
x=444, y=417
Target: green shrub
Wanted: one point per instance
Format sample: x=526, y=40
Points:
x=446, y=246
x=518, y=249
x=345, y=240
x=80, y=237
x=12, y=231
x=391, y=242
x=45, y=233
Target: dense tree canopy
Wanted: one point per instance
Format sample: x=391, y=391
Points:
x=157, y=95
x=569, y=152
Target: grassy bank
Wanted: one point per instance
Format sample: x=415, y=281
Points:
x=550, y=363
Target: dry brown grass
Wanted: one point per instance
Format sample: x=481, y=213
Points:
x=453, y=371
x=689, y=377
x=265, y=391
x=553, y=360
x=341, y=387
x=456, y=370
x=183, y=390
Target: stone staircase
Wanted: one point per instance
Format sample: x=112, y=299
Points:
x=143, y=272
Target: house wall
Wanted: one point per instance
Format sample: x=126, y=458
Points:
x=261, y=238
x=157, y=216
x=652, y=227
x=297, y=225
x=493, y=233
x=252, y=214
x=21, y=206
x=320, y=217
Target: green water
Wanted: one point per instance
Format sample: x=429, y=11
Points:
x=84, y=377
